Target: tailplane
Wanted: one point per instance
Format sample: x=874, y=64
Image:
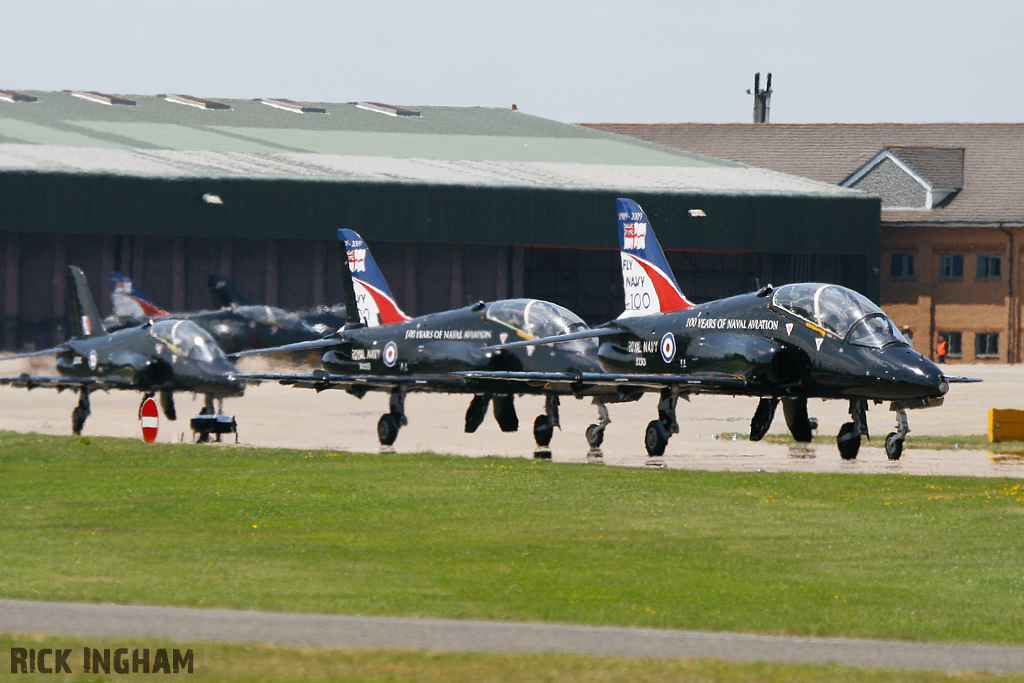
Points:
x=647, y=278
x=129, y=303
x=375, y=303
x=84, y=317
x=223, y=292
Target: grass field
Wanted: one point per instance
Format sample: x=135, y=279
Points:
x=243, y=663
x=877, y=556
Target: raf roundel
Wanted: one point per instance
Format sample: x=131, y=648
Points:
x=668, y=347
x=390, y=354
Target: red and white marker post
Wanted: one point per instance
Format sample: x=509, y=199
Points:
x=150, y=420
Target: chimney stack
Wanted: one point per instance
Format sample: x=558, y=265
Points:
x=762, y=98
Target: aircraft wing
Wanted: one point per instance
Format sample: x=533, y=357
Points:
x=33, y=354
x=599, y=382
x=322, y=381
x=324, y=343
x=962, y=380
x=558, y=339
x=62, y=383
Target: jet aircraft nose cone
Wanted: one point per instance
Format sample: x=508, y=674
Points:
x=906, y=374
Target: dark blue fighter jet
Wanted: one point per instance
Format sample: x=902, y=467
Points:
x=783, y=344
x=382, y=349
x=164, y=357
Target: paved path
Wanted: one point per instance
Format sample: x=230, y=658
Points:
x=325, y=631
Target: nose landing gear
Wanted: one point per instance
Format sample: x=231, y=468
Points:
x=894, y=442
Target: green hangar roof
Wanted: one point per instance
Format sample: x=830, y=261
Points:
x=139, y=164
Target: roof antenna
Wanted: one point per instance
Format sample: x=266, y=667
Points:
x=762, y=98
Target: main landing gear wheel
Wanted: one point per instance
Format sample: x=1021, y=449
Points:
x=848, y=441
x=387, y=429
x=595, y=432
x=893, y=446
x=542, y=431
x=391, y=422
x=81, y=412
x=655, y=439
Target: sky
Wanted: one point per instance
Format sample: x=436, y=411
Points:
x=861, y=61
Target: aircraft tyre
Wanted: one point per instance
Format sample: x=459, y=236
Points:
x=848, y=441
x=505, y=413
x=595, y=435
x=81, y=412
x=78, y=420
x=893, y=446
x=656, y=439
x=387, y=429
x=795, y=410
x=543, y=430
x=476, y=412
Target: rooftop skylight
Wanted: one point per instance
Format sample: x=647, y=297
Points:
x=388, y=109
x=101, y=98
x=197, y=102
x=15, y=96
x=295, y=107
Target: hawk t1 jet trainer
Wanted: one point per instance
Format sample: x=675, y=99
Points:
x=383, y=349
x=158, y=357
x=783, y=344
x=235, y=325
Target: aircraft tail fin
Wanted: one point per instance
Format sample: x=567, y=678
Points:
x=128, y=302
x=84, y=317
x=223, y=292
x=647, y=279
x=376, y=305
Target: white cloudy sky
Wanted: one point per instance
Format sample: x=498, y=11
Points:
x=598, y=61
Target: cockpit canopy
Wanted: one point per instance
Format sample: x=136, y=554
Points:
x=535, y=319
x=840, y=311
x=269, y=315
x=185, y=338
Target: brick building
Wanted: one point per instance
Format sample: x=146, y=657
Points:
x=952, y=214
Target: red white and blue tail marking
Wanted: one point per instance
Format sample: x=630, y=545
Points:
x=376, y=304
x=647, y=279
x=129, y=303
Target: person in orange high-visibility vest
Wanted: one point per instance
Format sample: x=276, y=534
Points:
x=941, y=349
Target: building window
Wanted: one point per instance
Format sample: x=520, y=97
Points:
x=902, y=265
x=951, y=266
x=990, y=267
x=953, y=340
x=986, y=345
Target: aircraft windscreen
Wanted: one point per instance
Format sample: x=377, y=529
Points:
x=535, y=319
x=269, y=315
x=187, y=339
x=877, y=331
x=834, y=308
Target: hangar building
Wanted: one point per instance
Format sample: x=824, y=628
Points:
x=459, y=204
